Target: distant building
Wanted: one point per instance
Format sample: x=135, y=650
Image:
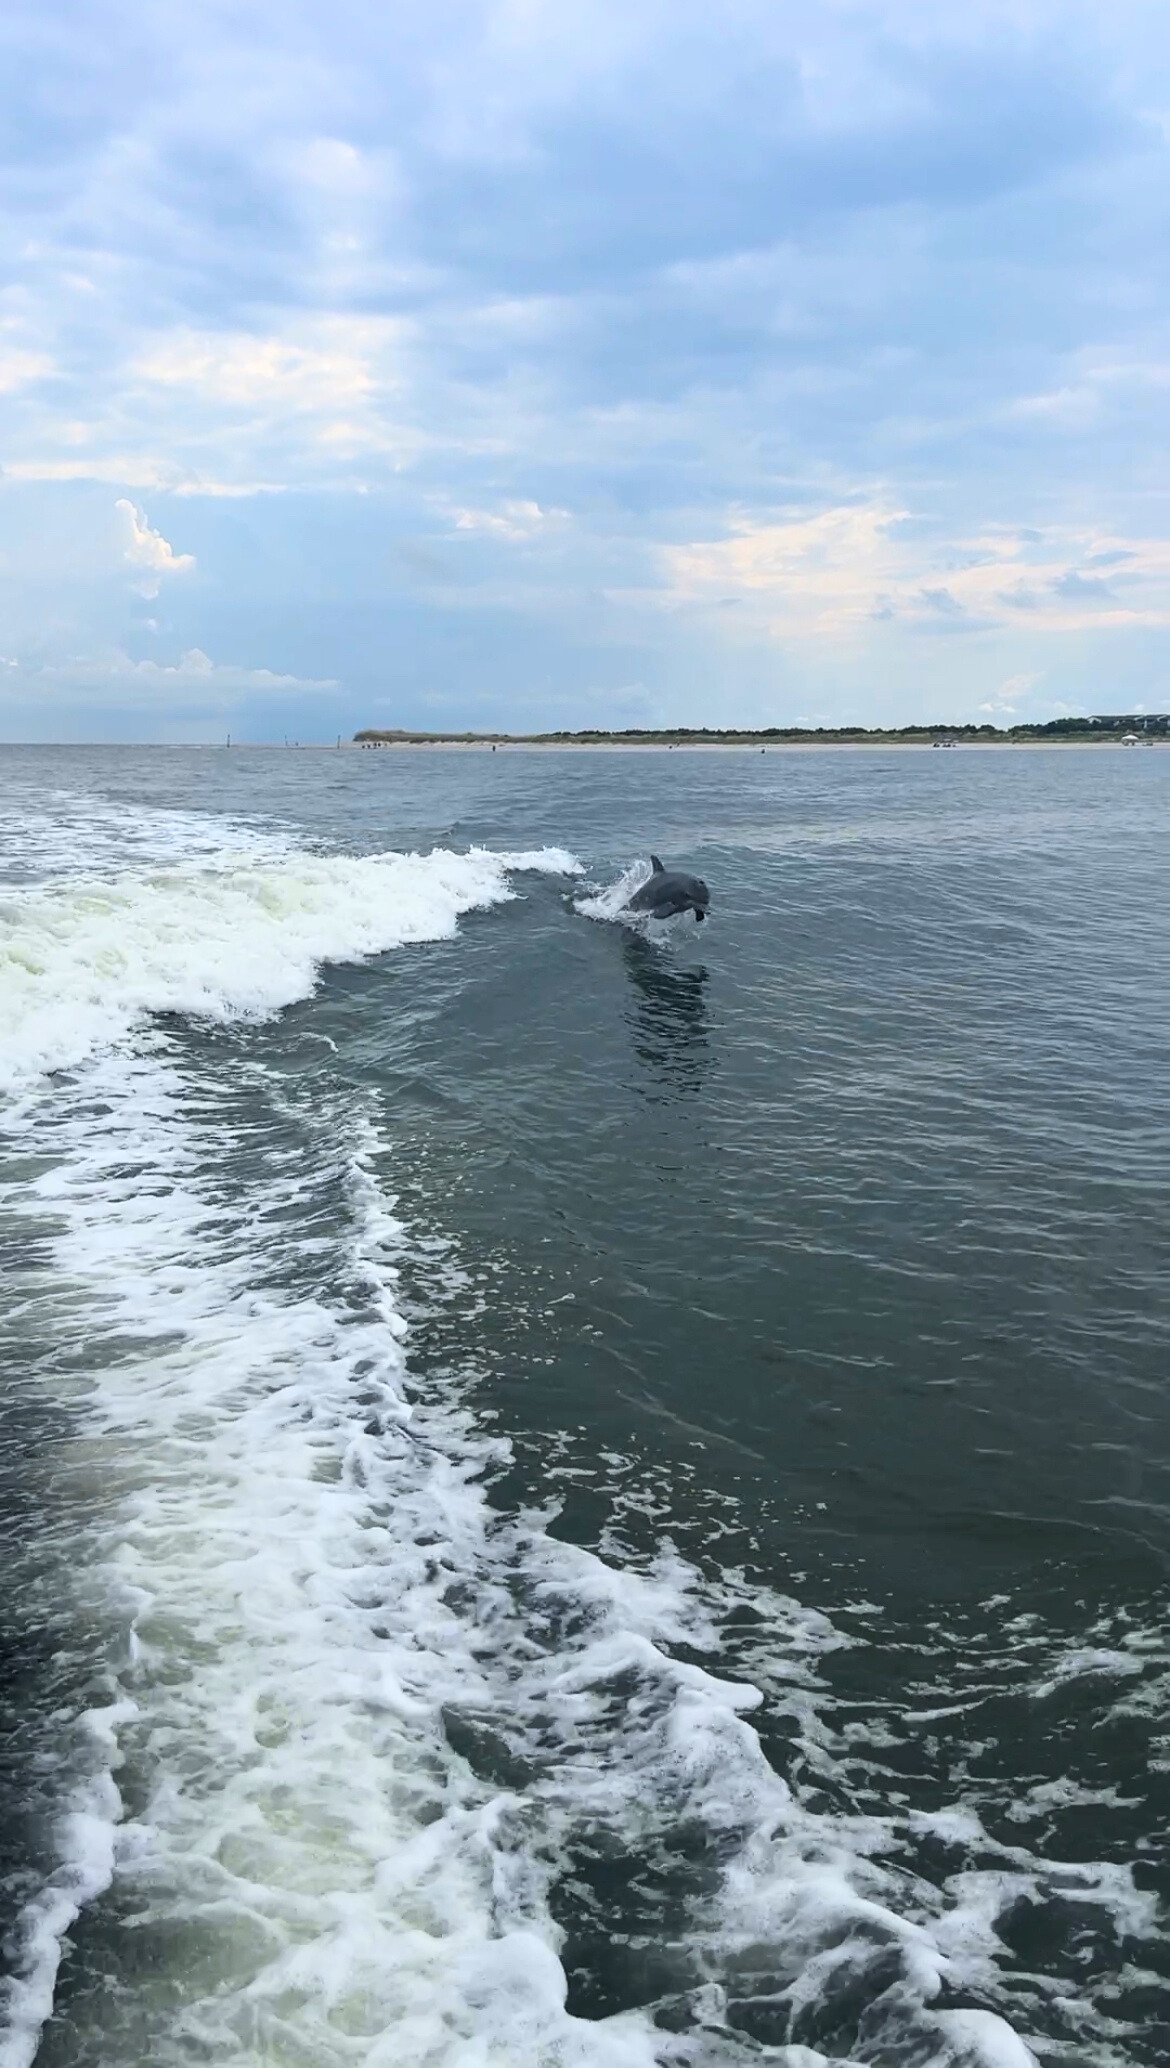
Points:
x=1133, y=721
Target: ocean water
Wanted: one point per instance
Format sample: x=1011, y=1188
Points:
x=581, y=1496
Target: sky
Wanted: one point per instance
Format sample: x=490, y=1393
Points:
x=524, y=364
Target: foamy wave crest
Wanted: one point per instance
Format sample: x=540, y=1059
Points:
x=82, y=961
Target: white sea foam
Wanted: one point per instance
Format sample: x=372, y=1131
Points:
x=370, y=1719
x=284, y=1539
x=85, y=1835
x=612, y=901
x=224, y=937
x=46, y=836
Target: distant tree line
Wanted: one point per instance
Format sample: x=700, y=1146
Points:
x=729, y=735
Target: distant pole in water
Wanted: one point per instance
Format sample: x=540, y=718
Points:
x=229, y=739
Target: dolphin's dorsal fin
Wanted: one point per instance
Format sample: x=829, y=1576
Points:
x=656, y=865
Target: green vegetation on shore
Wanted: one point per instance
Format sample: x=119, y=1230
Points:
x=1105, y=729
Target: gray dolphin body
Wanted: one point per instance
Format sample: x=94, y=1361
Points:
x=669, y=891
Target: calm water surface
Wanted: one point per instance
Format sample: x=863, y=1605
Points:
x=572, y=1495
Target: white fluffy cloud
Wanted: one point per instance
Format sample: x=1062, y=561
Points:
x=148, y=552
x=323, y=401
x=194, y=680
x=833, y=575
x=516, y=520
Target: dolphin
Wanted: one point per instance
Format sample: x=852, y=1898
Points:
x=669, y=891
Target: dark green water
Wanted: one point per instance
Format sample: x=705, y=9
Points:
x=807, y=1268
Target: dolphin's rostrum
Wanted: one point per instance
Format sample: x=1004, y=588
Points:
x=669, y=891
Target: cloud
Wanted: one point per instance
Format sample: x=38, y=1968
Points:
x=149, y=551
x=1083, y=588
x=840, y=330
x=1066, y=409
x=269, y=373
x=827, y=576
x=138, y=470
x=308, y=401
x=516, y=520
x=193, y=666
x=941, y=601
x=194, y=680
x=18, y=369
x=1014, y=690
x=818, y=573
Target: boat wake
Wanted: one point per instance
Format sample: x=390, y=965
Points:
x=361, y=1762
x=361, y=1730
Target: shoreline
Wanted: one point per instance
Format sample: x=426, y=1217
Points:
x=877, y=746
x=518, y=744
x=763, y=741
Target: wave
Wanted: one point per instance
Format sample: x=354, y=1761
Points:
x=221, y=937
